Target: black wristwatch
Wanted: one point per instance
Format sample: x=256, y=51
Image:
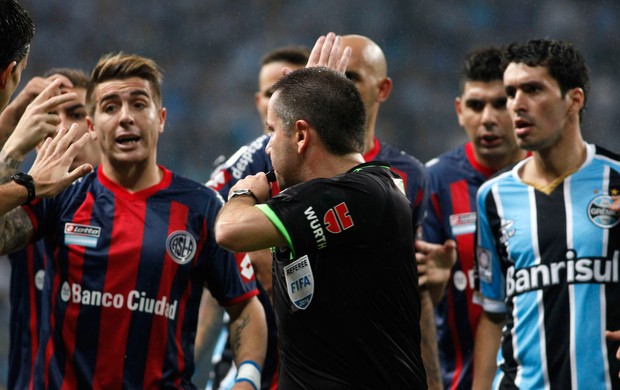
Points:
x=25, y=180
x=241, y=193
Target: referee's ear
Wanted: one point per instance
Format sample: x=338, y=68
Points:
x=302, y=135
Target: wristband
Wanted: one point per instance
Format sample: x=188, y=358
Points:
x=249, y=371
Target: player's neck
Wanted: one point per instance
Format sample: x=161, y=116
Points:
x=550, y=166
x=369, y=142
x=133, y=177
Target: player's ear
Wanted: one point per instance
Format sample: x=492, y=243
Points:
x=5, y=74
x=385, y=89
x=576, y=99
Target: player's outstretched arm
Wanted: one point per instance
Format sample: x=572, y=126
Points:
x=49, y=173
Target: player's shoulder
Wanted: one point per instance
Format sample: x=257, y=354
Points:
x=446, y=160
x=508, y=176
x=604, y=154
x=399, y=158
x=186, y=186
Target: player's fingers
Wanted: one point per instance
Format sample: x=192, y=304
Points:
x=77, y=173
x=53, y=102
x=327, y=49
x=343, y=61
x=64, y=80
x=335, y=52
x=50, y=90
x=63, y=139
x=315, y=54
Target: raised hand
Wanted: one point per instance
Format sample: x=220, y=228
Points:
x=37, y=122
x=14, y=111
x=50, y=170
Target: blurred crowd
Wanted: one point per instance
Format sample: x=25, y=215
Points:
x=210, y=52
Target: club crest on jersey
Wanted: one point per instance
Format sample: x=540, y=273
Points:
x=600, y=214
x=300, y=282
x=82, y=235
x=181, y=246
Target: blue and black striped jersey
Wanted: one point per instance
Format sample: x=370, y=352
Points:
x=551, y=263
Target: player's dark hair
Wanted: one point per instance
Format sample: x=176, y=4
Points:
x=122, y=66
x=78, y=77
x=482, y=64
x=296, y=55
x=563, y=61
x=328, y=101
x=16, y=32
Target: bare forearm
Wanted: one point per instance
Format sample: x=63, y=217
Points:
x=248, y=333
x=15, y=228
x=428, y=345
x=241, y=227
x=488, y=336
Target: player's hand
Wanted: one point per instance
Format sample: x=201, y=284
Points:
x=328, y=52
x=616, y=204
x=435, y=261
x=614, y=335
x=15, y=110
x=37, y=122
x=50, y=170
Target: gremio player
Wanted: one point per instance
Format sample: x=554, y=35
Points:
x=548, y=254
x=454, y=178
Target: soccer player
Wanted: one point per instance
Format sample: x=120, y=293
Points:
x=133, y=247
x=548, y=246
x=345, y=287
x=28, y=265
x=455, y=177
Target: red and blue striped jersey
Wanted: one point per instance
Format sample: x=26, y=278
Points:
x=551, y=263
x=455, y=177
x=248, y=160
x=410, y=170
x=122, y=291
x=27, y=276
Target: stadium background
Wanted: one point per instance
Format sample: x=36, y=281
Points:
x=210, y=51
